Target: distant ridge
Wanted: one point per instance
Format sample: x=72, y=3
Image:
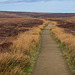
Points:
x=9, y=14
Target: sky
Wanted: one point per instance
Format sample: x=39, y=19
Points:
x=45, y=6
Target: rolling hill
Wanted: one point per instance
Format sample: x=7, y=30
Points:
x=9, y=14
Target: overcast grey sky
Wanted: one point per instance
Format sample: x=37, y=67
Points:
x=53, y=6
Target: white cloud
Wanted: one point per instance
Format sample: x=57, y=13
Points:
x=9, y=1
x=3, y=0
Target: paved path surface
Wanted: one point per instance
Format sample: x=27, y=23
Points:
x=50, y=60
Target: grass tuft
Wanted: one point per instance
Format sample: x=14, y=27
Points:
x=67, y=51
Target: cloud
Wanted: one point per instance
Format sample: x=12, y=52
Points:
x=13, y=1
x=21, y=0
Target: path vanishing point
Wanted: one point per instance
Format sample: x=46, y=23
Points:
x=50, y=60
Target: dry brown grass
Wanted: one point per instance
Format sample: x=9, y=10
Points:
x=15, y=61
x=69, y=40
x=66, y=38
x=11, y=27
x=60, y=28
